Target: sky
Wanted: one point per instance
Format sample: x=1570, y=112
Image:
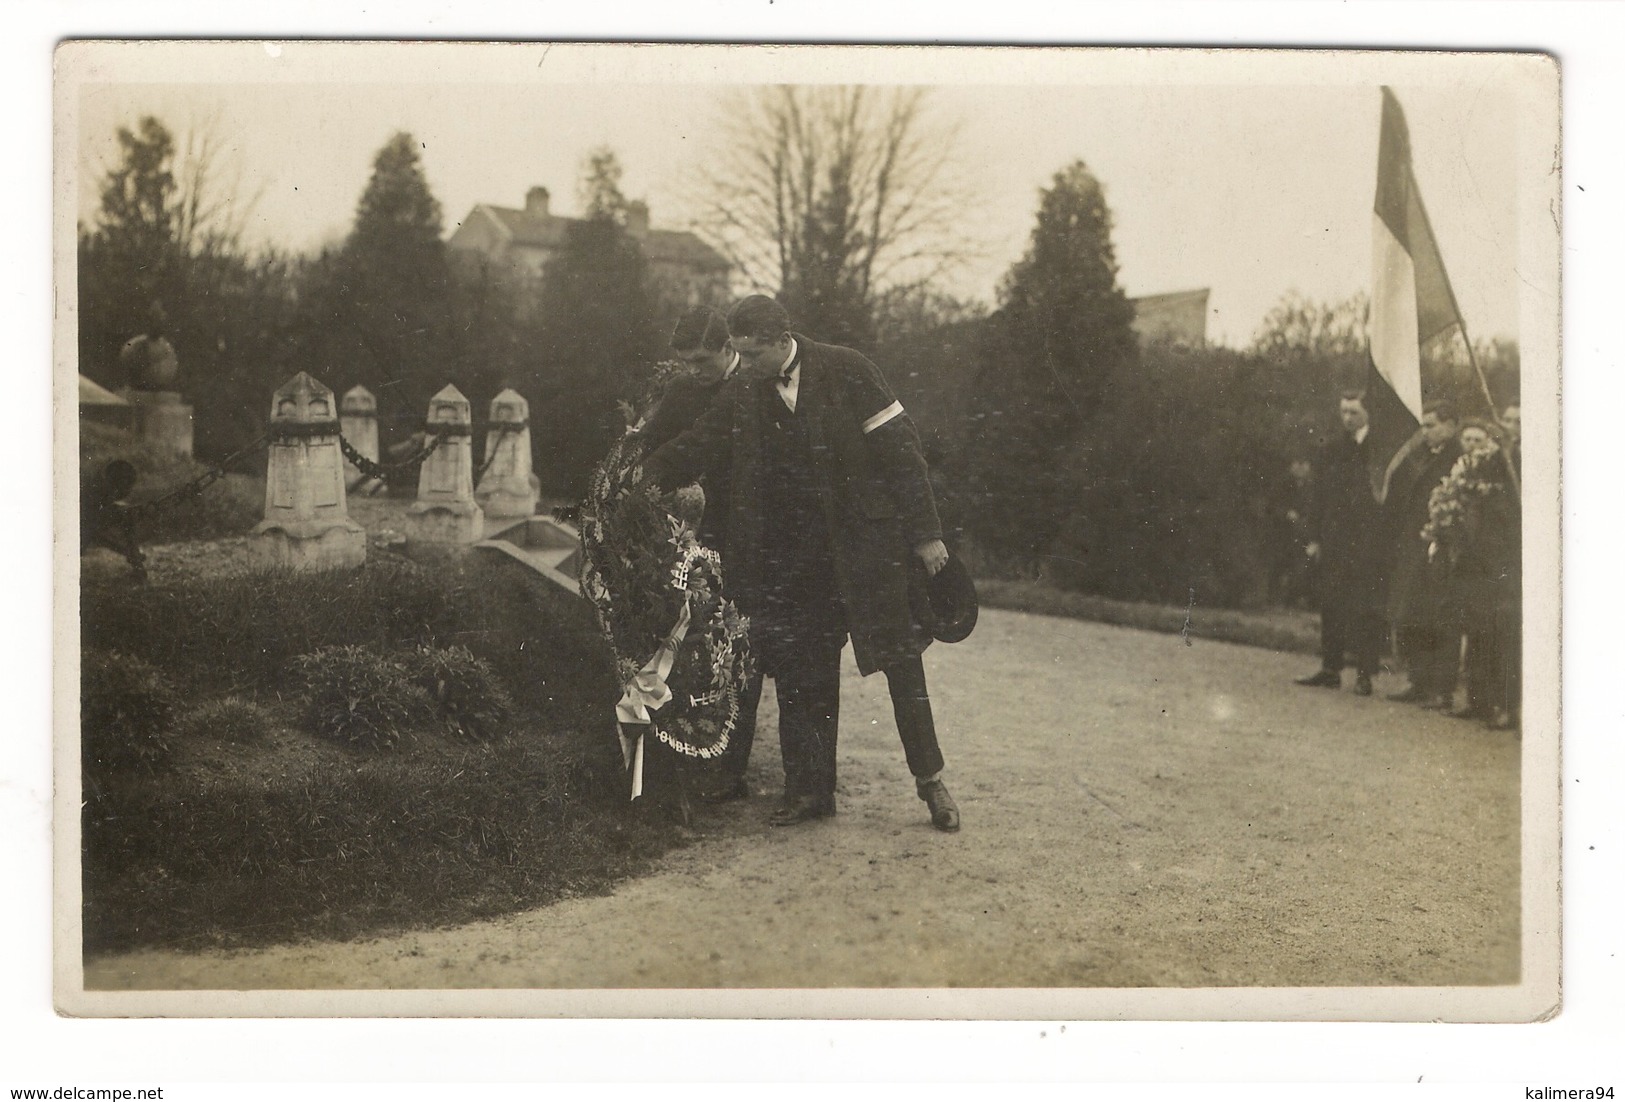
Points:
x=1250, y=190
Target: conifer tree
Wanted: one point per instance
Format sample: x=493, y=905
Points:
x=1063, y=328
x=380, y=306
x=598, y=334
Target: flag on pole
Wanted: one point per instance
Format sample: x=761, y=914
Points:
x=1411, y=299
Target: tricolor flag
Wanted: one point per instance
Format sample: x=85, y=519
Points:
x=1411, y=299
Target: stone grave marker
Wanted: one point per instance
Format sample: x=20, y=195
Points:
x=508, y=489
x=358, y=420
x=445, y=511
x=307, y=525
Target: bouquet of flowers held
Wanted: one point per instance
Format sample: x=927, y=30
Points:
x=1455, y=505
x=681, y=648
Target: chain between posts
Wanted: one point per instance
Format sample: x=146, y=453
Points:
x=196, y=486
x=496, y=428
x=381, y=471
x=366, y=466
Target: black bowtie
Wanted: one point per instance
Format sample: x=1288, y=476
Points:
x=784, y=376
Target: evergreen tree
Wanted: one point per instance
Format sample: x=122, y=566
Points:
x=380, y=308
x=1063, y=328
x=598, y=335
x=131, y=259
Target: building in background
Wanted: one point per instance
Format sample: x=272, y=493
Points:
x=685, y=270
x=1178, y=317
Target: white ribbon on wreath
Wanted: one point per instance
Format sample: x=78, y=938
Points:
x=644, y=693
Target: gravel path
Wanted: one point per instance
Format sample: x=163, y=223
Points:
x=1137, y=813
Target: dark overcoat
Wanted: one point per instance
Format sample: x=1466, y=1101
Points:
x=1486, y=562
x=874, y=488
x=1346, y=520
x=1418, y=588
x=682, y=404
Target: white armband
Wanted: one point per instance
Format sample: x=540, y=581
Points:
x=873, y=423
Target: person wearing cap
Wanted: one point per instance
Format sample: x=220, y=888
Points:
x=700, y=342
x=830, y=505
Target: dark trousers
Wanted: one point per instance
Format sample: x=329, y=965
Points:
x=1432, y=656
x=1344, y=631
x=809, y=693
x=1494, y=663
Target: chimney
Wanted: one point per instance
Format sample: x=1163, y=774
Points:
x=637, y=218
x=536, y=202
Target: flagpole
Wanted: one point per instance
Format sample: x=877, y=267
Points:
x=1461, y=322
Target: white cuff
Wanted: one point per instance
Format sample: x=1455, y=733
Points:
x=873, y=423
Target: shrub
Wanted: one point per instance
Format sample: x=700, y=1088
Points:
x=247, y=628
x=229, y=507
x=360, y=698
x=127, y=708
x=228, y=719
x=470, y=700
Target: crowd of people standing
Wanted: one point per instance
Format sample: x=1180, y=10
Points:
x=1426, y=554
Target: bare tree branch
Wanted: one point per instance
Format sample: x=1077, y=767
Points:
x=835, y=191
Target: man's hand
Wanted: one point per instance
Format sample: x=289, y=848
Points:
x=934, y=553
x=1312, y=550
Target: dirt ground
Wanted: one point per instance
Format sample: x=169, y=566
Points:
x=1137, y=812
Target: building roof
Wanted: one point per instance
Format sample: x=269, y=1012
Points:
x=546, y=231
x=93, y=394
x=1179, y=316
x=1172, y=300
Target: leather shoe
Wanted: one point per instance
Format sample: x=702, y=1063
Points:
x=1362, y=685
x=1408, y=695
x=1436, y=703
x=799, y=809
x=1324, y=679
x=736, y=789
x=944, y=812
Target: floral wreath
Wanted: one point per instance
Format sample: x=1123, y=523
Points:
x=681, y=648
x=1454, y=500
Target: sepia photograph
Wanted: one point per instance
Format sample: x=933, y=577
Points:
x=727, y=531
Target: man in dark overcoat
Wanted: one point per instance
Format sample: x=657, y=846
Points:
x=830, y=501
x=1426, y=631
x=1344, y=529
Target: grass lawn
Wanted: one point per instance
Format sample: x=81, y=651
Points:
x=245, y=825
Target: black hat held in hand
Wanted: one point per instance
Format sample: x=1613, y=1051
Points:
x=945, y=605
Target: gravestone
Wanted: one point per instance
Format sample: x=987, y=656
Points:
x=508, y=489
x=445, y=511
x=307, y=524
x=358, y=420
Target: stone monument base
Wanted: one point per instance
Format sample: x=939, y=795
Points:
x=309, y=545
x=161, y=420
x=446, y=523
x=506, y=505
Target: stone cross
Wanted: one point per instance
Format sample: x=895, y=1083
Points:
x=358, y=420
x=307, y=524
x=445, y=511
x=508, y=488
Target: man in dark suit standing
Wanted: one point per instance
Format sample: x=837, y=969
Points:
x=830, y=502
x=1426, y=633
x=1344, y=528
